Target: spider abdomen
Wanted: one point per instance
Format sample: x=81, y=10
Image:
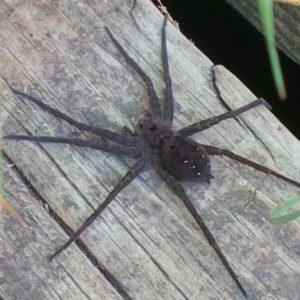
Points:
x=185, y=159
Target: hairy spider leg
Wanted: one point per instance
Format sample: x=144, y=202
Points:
x=218, y=151
x=99, y=144
x=154, y=102
x=204, y=124
x=115, y=137
x=130, y=175
x=177, y=188
x=168, y=105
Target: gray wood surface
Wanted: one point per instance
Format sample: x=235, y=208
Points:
x=286, y=22
x=145, y=245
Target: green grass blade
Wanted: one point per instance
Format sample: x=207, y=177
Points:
x=289, y=211
x=266, y=12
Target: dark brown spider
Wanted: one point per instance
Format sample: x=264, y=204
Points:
x=173, y=154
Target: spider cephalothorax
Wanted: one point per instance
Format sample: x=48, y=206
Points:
x=181, y=156
x=172, y=153
x=152, y=133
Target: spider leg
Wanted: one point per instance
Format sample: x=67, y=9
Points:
x=218, y=151
x=175, y=185
x=130, y=175
x=155, y=105
x=99, y=144
x=168, y=106
x=127, y=131
x=204, y=124
x=118, y=138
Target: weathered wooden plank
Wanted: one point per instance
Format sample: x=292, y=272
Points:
x=146, y=240
x=25, y=271
x=286, y=21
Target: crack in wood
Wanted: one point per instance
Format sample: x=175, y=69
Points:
x=80, y=244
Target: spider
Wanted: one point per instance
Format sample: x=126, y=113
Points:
x=154, y=143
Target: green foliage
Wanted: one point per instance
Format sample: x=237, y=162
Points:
x=266, y=12
x=289, y=211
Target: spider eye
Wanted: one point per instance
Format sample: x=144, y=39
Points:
x=153, y=128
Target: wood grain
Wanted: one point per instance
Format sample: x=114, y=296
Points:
x=145, y=245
